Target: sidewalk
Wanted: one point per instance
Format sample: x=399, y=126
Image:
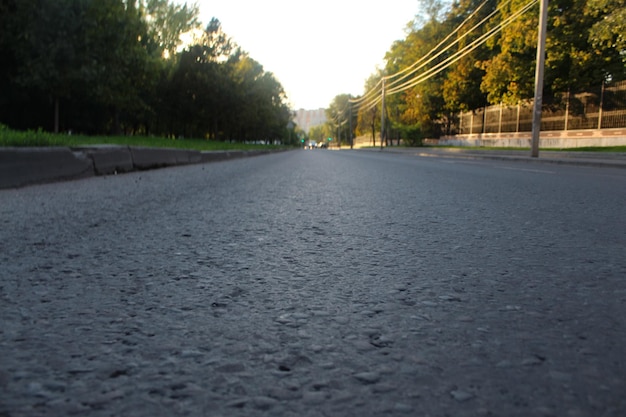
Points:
x=26, y=166
x=597, y=159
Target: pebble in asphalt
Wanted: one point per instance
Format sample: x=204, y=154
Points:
x=314, y=283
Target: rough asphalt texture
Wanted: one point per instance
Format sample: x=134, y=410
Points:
x=317, y=283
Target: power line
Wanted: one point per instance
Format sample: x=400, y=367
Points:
x=412, y=68
x=371, y=102
x=460, y=54
x=375, y=89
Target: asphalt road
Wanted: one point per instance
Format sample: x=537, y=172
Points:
x=317, y=283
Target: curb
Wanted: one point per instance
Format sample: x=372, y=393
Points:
x=24, y=166
x=20, y=167
x=606, y=160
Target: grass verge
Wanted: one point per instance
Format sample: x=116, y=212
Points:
x=9, y=137
x=592, y=149
x=583, y=149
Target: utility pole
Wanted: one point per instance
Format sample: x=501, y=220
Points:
x=382, y=117
x=541, y=57
x=351, y=139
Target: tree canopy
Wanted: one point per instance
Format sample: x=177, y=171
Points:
x=121, y=66
x=467, y=54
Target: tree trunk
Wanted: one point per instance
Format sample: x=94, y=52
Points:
x=117, y=130
x=56, y=115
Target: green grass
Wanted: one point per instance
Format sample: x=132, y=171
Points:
x=583, y=149
x=9, y=137
x=592, y=149
x=478, y=148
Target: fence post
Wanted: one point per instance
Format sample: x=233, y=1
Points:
x=600, y=109
x=471, y=122
x=484, y=130
x=519, y=105
x=500, y=121
x=567, y=110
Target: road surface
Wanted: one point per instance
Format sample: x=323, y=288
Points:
x=317, y=283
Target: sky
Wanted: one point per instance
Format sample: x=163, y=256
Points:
x=316, y=49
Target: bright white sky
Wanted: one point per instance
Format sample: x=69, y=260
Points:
x=316, y=49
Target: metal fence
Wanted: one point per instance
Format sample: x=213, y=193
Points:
x=600, y=108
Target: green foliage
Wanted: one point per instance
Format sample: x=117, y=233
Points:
x=609, y=25
x=118, y=66
x=321, y=133
x=33, y=138
x=413, y=135
x=166, y=22
x=338, y=119
x=37, y=137
x=586, y=45
x=509, y=71
x=368, y=116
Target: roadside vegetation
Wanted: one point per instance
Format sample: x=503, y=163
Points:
x=461, y=56
x=593, y=149
x=133, y=67
x=32, y=138
x=151, y=68
x=612, y=149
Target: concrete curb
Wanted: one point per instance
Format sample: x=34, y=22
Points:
x=20, y=167
x=109, y=159
x=24, y=166
x=607, y=160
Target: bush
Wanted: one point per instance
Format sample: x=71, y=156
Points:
x=412, y=135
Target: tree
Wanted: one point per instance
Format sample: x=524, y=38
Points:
x=319, y=133
x=12, y=18
x=461, y=86
x=276, y=113
x=116, y=66
x=368, y=110
x=609, y=27
x=166, y=24
x=198, y=84
x=219, y=92
x=608, y=36
x=573, y=63
x=421, y=97
x=338, y=118
x=66, y=48
x=425, y=88
x=509, y=73
x=48, y=45
x=118, y=63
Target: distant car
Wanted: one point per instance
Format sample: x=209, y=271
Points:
x=322, y=145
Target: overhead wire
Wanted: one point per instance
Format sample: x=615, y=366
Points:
x=336, y=117
x=374, y=90
x=373, y=101
x=460, y=54
x=411, y=69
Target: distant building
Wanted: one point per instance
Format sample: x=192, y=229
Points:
x=306, y=119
